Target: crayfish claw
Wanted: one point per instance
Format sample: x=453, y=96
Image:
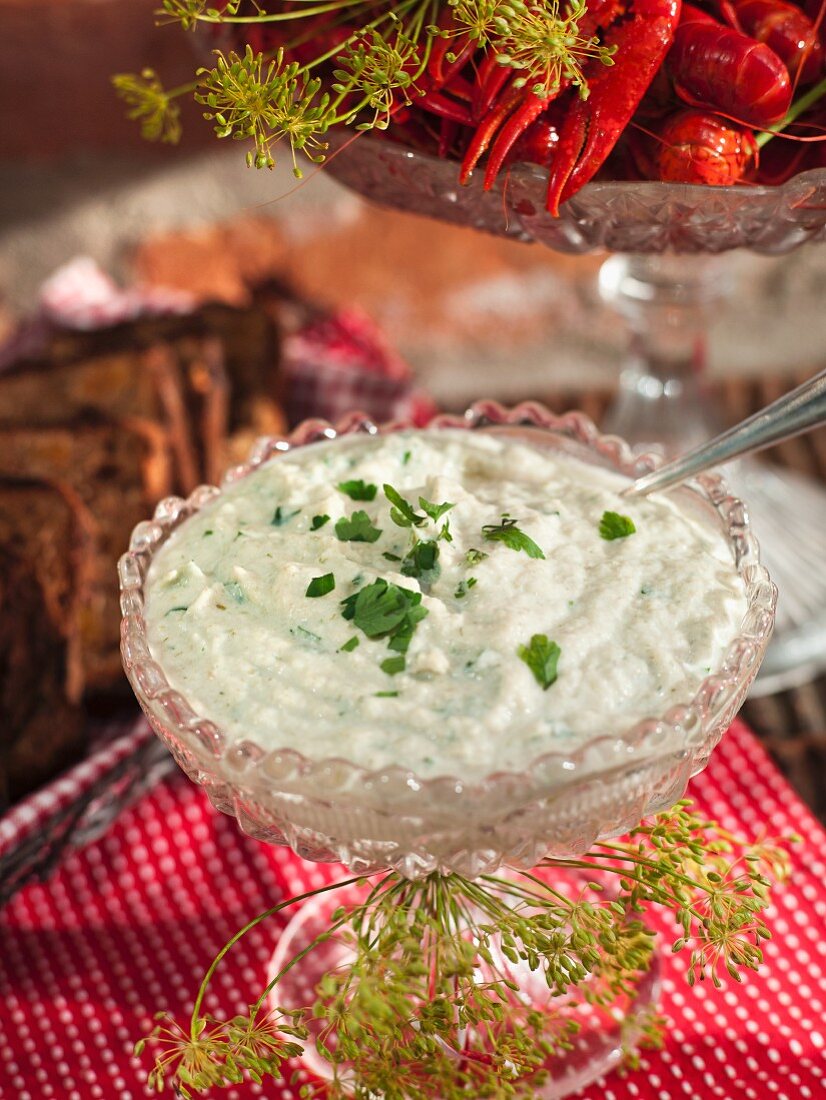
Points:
x=593, y=125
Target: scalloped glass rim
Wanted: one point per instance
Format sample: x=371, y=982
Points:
x=617, y=215
x=684, y=726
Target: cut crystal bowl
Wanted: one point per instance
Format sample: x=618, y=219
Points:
x=334, y=810
x=617, y=216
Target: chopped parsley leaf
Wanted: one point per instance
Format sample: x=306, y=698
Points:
x=209, y=532
x=349, y=645
x=385, y=694
x=435, y=511
x=380, y=608
x=393, y=665
x=508, y=533
x=406, y=457
x=422, y=562
x=541, y=657
x=391, y=557
x=358, y=528
x=403, y=513
x=444, y=533
x=280, y=517
x=473, y=557
x=383, y=610
x=614, y=526
x=358, y=489
x=463, y=587
x=319, y=521
x=302, y=632
x=169, y=612
x=320, y=586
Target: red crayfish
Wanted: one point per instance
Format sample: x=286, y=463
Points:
x=667, y=90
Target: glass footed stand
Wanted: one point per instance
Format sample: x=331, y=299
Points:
x=665, y=277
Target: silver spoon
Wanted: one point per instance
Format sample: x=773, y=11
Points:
x=799, y=411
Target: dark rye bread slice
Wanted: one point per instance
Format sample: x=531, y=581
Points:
x=47, y=524
x=119, y=469
x=45, y=536
x=148, y=383
x=41, y=731
x=241, y=347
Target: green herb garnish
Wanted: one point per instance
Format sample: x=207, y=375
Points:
x=385, y=610
x=403, y=513
x=320, y=586
x=386, y=694
x=541, y=657
x=463, y=587
x=380, y=609
x=422, y=562
x=508, y=533
x=435, y=511
x=444, y=533
x=358, y=528
x=393, y=665
x=391, y=557
x=280, y=517
x=319, y=521
x=614, y=526
x=349, y=645
x=406, y=457
x=358, y=489
x=302, y=632
x=473, y=557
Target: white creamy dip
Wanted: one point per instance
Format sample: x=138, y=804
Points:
x=639, y=620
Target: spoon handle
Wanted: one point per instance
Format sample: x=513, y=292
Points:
x=799, y=411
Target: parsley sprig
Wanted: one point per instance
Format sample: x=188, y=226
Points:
x=358, y=489
x=422, y=562
x=508, y=533
x=402, y=512
x=614, y=526
x=320, y=586
x=382, y=610
x=541, y=657
x=358, y=528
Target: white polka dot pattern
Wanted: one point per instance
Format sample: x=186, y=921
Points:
x=127, y=927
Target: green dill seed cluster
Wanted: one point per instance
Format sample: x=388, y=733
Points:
x=349, y=63
x=428, y=1008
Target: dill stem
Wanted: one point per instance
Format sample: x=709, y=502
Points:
x=281, y=17
x=196, y=1008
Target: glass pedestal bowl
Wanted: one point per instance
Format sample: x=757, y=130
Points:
x=335, y=811
x=665, y=277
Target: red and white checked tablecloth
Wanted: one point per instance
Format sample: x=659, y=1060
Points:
x=127, y=926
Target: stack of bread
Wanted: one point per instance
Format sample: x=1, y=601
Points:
x=93, y=432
